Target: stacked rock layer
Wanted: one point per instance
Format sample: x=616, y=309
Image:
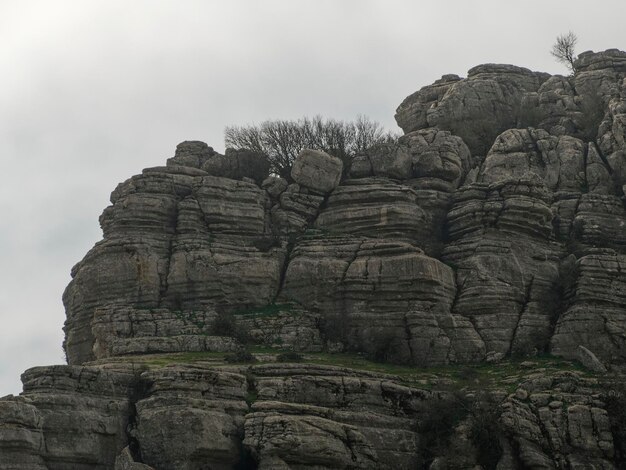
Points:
x=428, y=253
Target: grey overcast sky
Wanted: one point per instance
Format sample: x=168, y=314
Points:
x=92, y=91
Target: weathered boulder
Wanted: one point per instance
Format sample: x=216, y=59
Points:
x=439, y=160
x=412, y=114
x=553, y=107
x=317, y=170
x=600, y=73
x=274, y=186
x=590, y=361
x=559, y=162
x=386, y=160
x=477, y=108
x=192, y=153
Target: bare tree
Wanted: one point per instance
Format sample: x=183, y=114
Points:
x=563, y=50
x=282, y=140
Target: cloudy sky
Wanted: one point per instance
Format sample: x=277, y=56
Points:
x=92, y=91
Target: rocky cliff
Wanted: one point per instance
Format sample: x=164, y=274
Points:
x=442, y=298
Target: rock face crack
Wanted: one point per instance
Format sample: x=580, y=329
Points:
x=283, y=270
x=168, y=260
x=138, y=391
x=523, y=310
x=409, y=336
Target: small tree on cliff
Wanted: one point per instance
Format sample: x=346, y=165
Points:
x=282, y=140
x=563, y=49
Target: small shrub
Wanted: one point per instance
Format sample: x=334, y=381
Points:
x=290, y=356
x=282, y=140
x=527, y=346
x=224, y=324
x=615, y=403
x=269, y=310
x=334, y=327
x=439, y=418
x=468, y=373
x=485, y=430
x=383, y=348
x=530, y=115
x=452, y=264
x=265, y=244
x=251, y=397
x=242, y=355
x=437, y=421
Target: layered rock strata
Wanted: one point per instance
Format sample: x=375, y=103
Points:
x=274, y=416
x=201, y=236
x=494, y=228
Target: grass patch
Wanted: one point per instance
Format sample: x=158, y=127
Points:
x=290, y=356
x=505, y=375
x=241, y=356
x=270, y=310
x=162, y=360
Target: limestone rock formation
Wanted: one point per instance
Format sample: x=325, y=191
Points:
x=430, y=300
x=477, y=108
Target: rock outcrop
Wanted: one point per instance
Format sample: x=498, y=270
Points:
x=493, y=230
x=273, y=416
x=477, y=108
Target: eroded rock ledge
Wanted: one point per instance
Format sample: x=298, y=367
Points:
x=269, y=416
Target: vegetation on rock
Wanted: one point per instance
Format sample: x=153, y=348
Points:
x=563, y=50
x=282, y=140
